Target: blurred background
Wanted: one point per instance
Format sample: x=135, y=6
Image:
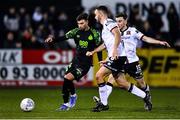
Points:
x=25, y=60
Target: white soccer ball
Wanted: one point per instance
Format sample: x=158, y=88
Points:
x=27, y=104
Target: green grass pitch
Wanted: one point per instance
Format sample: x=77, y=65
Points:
x=166, y=104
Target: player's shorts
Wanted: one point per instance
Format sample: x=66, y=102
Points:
x=116, y=66
x=134, y=70
x=78, y=69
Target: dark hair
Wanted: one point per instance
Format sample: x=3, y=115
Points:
x=82, y=16
x=122, y=14
x=104, y=9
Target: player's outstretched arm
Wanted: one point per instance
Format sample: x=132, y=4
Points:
x=154, y=41
x=98, y=49
x=51, y=39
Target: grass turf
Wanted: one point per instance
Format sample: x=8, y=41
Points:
x=166, y=104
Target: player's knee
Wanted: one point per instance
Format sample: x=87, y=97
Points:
x=69, y=77
x=98, y=76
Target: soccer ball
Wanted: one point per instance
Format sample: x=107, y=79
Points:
x=27, y=104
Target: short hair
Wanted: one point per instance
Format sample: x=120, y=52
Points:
x=82, y=16
x=104, y=9
x=122, y=14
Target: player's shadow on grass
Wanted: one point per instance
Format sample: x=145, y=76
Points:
x=127, y=109
x=165, y=108
x=141, y=109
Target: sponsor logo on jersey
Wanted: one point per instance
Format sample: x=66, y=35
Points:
x=90, y=37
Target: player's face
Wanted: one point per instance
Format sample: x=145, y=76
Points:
x=82, y=24
x=121, y=22
x=97, y=15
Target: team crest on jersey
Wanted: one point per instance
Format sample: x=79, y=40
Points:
x=128, y=33
x=90, y=37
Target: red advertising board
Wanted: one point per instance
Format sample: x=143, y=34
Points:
x=47, y=56
x=37, y=68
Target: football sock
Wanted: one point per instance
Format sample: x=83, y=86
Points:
x=109, y=87
x=103, y=93
x=71, y=87
x=65, y=91
x=136, y=91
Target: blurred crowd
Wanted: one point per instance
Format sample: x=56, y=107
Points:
x=28, y=29
x=23, y=29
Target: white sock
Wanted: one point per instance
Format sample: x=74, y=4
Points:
x=138, y=92
x=103, y=94
x=109, y=90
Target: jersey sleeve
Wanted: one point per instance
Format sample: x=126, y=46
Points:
x=71, y=33
x=97, y=38
x=111, y=24
x=138, y=34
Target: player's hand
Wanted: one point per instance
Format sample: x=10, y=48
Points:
x=49, y=39
x=115, y=54
x=89, y=53
x=164, y=43
x=102, y=62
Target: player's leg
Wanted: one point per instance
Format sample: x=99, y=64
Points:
x=103, y=105
x=66, y=88
x=73, y=97
x=103, y=72
x=141, y=82
x=146, y=89
x=121, y=80
x=109, y=85
x=134, y=70
x=123, y=83
x=111, y=66
x=78, y=72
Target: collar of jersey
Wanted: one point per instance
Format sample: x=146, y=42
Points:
x=125, y=29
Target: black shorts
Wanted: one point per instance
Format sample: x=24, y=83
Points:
x=78, y=69
x=134, y=70
x=116, y=66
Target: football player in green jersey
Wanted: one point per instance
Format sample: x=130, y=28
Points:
x=86, y=39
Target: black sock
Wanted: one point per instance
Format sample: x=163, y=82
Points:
x=108, y=83
x=130, y=88
x=71, y=87
x=102, y=84
x=65, y=91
